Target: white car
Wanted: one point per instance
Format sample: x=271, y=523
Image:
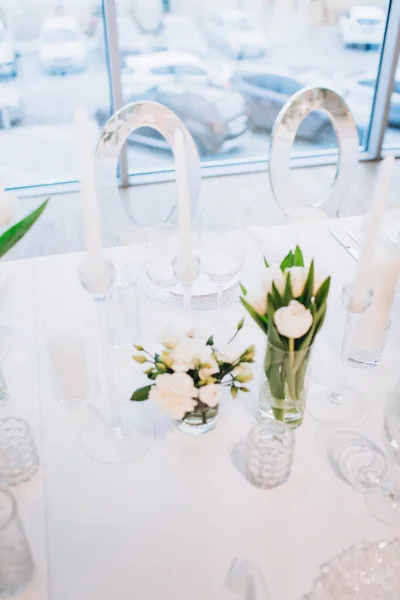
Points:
x=363, y=26
x=11, y=105
x=8, y=61
x=232, y=32
x=181, y=33
x=170, y=67
x=62, y=47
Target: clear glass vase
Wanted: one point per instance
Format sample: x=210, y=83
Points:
x=199, y=421
x=284, y=383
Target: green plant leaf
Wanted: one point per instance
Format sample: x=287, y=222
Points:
x=307, y=294
x=210, y=341
x=141, y=394
x=266, y=263
x=288, y=295
x=298, y=257
x=322, y=294
x=273, y=335
x=277, y=299
x=261, y=320
x=243, y=289
x=288, y=261
x=17, y=231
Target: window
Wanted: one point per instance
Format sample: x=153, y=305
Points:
x=248, y=61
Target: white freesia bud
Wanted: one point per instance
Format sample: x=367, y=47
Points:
x=243, y=373
x=170, y=340
x=174, y=393
x=211, y=394
x=7, y=207
x=209, y=370
x=298, y=278
x=293, y=321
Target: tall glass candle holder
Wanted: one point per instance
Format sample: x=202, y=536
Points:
x=342, y=403
x=116, y=440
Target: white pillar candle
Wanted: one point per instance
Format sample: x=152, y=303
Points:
x=373, y=323
x=90, y=204
x=71, y=368
x=363, y=277
x=185, y=230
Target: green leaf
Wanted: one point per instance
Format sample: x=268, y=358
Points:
x=261, y=320
x=298, y=258
x=266, y=263
x=277, y=299
x=17, y=231
x=288, y=295
x=322, y=294
x=273, y=335
x=307, y=294
x=288, y=261
x=243, y=289
x=141, y=394
x=244, y=389
x=210, y=341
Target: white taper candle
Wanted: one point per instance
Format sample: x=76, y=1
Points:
x=184, y=216
x=90, y=204
x=362, y=281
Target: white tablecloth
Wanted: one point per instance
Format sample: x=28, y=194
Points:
x=169, y=524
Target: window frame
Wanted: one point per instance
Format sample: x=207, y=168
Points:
x=374, y=143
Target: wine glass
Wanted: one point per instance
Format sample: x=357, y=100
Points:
x=357, y=460
x=221, y=254
x=342, y=403
x=162, y=263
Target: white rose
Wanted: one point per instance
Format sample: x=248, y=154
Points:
x=175, y=394
x=7, y=206
x=209, y=370
x=243, y=372
x=170, y=340
x=298, y=278
x=293, y=321
x=190, y=353
x=211, y=394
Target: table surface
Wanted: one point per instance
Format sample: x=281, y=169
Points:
x=169, y=524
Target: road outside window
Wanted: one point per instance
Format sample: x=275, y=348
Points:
x=225, y=72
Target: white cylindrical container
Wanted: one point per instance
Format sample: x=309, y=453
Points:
x=372, y=327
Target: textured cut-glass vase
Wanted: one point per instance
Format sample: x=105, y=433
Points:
x=199, y=421
x=283, y=385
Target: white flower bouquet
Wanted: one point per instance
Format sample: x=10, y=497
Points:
x=188, y=377
x=290, y=309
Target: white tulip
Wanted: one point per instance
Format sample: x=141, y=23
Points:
x=211, y=394
x=298, y=278
x=170, y=340
x=209, y=370
x=259, y=301
x=293, y=321
x=174, y=393
x=275, y=275
x=7, y=206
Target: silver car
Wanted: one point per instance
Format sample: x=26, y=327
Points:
x=234, y=34
x=11, y=105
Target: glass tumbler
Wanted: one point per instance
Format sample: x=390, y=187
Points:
x=19, y=459
x=72, y=357
x=16, y=565
x=269, y=453
x=124, y=310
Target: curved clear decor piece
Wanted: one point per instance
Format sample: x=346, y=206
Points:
x=367, y=571
x=116, y=133
x=288, y=194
